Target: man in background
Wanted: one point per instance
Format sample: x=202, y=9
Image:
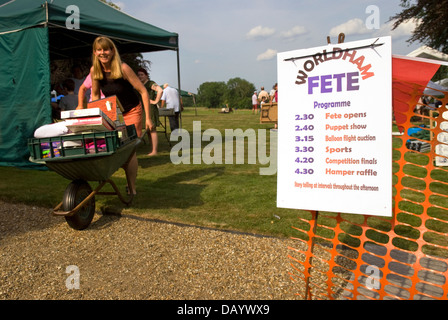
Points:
x=170, y=99
x=263, y=96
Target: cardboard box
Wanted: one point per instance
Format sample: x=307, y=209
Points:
x=86, y=124
x=81, y=113
x=86, y=113
x=110, y=106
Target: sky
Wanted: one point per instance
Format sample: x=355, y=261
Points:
x=224, y=39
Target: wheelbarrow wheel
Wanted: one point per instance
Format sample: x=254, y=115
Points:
x=74, y=194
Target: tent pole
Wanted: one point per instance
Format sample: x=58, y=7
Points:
x=46, y=13
x=178, y=85
x=194, y=102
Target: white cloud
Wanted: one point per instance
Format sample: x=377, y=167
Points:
x=294, y=32
x=404, y=30
x=267, y=55
x=351, y=27
x=260, y=32
x=357, y=26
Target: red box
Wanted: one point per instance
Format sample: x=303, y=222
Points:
x=111, y=106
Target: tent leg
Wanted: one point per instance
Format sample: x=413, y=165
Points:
x=178, y=85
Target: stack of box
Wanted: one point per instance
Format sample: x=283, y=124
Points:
x=101, y=115
x=98, y=130
x=111, y=107
x=87, y=120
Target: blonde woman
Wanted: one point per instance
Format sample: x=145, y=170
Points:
x=113, y=77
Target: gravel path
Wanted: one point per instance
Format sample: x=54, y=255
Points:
x=131, y=257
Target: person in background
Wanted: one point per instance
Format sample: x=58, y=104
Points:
x=155, y=93
x=273, y=94
x=254, y=103
x=274, y=98
x=70, y=100
x=78, y=78
x=170, y=99
x=263, y=96
x=113, y=77
x=56, y=95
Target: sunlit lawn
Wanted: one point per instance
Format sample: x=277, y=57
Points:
x=228, y=196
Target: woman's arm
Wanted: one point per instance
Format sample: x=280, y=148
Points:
x=81, y=96
x=159, y=91
x=95, y=88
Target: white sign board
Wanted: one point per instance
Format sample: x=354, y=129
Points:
x=335, y=128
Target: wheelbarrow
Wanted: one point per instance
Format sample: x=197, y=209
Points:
x=83, y=158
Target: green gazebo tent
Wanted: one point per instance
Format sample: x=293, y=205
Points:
x=33, y=32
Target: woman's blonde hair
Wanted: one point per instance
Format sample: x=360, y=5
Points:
x=106, y=44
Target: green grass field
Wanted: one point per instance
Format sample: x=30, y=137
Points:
x=226, y=196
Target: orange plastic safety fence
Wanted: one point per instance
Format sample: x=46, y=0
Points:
x=345, y=256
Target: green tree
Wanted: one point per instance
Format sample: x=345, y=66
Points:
x=212, y=94
x=110, y=3
x=136, y=61
x=239, y=93
x=432, y=15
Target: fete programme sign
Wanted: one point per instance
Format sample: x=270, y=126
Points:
x=335, y=128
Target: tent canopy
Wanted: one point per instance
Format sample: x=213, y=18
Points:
x=33, y=32
x=95, y=18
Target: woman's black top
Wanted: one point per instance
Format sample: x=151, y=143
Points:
x=121, y=88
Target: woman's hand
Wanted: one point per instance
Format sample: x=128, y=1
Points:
x=149, y=125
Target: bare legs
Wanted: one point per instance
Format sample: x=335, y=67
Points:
x=154, y=142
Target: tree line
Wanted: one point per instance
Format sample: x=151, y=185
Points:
x=235, y=93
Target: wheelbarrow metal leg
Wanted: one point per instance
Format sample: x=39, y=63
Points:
x=117, y=192
x=70, y=213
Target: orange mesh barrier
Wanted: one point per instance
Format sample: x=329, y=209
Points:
x=343, y=256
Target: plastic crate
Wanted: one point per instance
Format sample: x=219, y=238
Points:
x=80, y=145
